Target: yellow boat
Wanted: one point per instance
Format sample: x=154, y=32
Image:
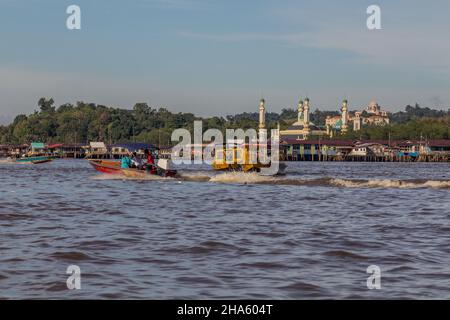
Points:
x=238, y=158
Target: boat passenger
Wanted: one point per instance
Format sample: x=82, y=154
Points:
x=126, y=162
x=136, y=161
x=149, y=157
x=150, y=161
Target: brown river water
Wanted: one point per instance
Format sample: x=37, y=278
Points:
x=308, y=234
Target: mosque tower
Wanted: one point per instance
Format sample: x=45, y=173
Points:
x=328, y=126
x=344, y=110
x=357, y=121
x=262, y=114
x=300, y=111
x=306, y=114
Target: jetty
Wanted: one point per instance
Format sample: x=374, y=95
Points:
x=365, y=150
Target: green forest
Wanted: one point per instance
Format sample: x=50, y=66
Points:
x=83, y=122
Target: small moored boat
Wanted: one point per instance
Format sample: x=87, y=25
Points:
x=35, y=159
x=41, y=161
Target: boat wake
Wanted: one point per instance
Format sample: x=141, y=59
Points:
x=256, y=178
x=388, y=183
x=243, y=177
x=194, y=176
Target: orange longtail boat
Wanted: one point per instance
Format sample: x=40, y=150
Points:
x=114, y=167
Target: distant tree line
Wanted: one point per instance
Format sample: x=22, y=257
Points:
x=415, y=123
x=83, y=122
x=425, y=128
x=417, y=111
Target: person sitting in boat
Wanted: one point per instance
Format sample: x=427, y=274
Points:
x=126, y=162
x=136, y=161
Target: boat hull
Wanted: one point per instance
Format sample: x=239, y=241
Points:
x=142, y=174
x=104, y=166
x=247, y=167
x=113, y=167
x=36, y=160
x=41, y=161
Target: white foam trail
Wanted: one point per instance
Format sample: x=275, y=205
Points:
x=388, y=183
x=195, y=176
x=437, y=184
x=256, y=178
x=242, y=177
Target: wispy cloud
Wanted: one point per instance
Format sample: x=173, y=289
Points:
x=414, y=34
x=174, y=4
x=421, y=48
x=240, y=37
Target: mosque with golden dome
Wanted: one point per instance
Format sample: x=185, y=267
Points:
x=304, y=128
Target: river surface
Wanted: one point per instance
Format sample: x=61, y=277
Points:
x=309, y=234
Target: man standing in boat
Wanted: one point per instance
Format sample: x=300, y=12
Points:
x=150, y=161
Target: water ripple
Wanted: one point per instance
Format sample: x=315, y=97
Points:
x=309, y=234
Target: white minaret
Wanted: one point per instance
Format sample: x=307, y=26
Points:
x=357, y=122
x=306, y=114
x=300, y=111
x=262, y=114
x=344, y=110
x=328, y=126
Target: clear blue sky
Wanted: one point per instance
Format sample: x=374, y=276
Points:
x=220, y=56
